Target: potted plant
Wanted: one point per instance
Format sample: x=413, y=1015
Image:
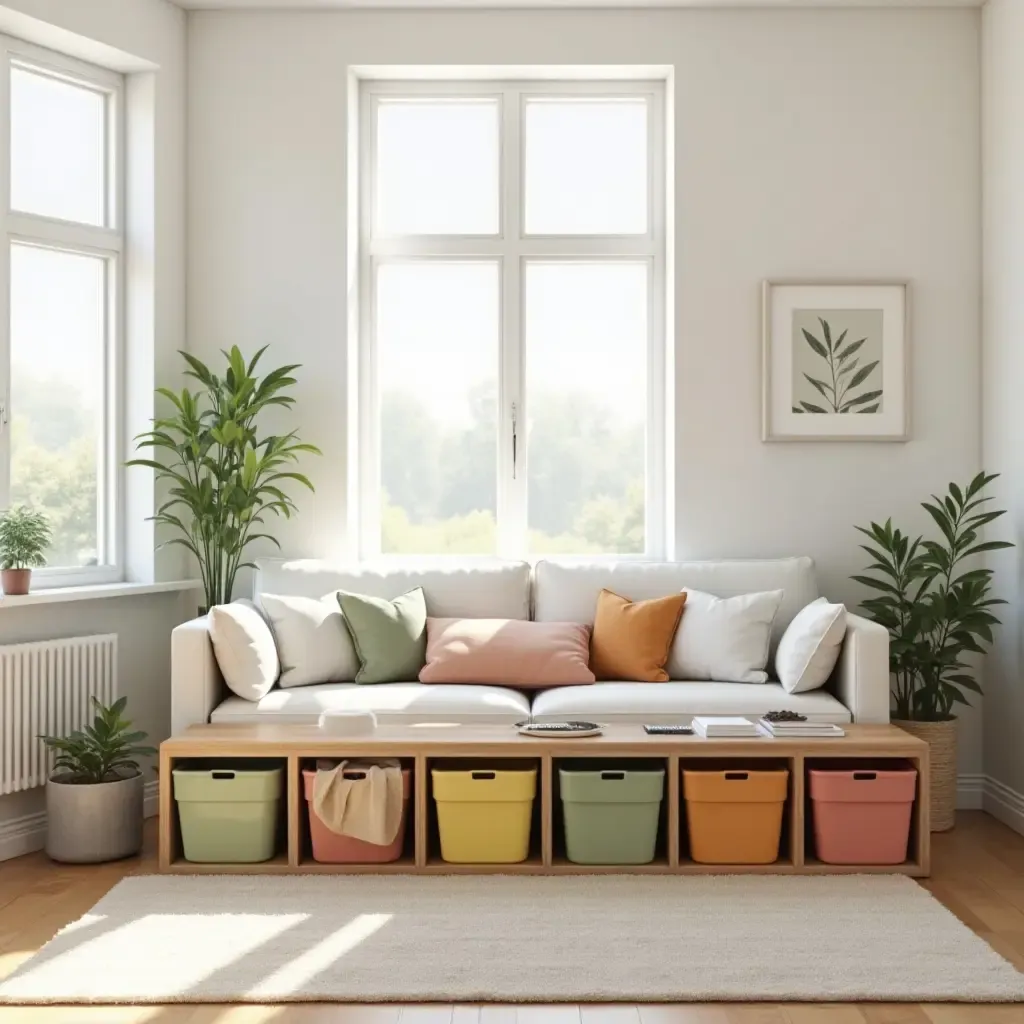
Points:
x=24, y=537
x=94, y=796
x=937, y=614
x=221, y=472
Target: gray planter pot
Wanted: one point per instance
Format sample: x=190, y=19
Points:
x=88, y=823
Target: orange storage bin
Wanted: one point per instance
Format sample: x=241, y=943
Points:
x=331, y=848
x=735, y=816
x=862, y=815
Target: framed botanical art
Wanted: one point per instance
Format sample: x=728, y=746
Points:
x=836, y=361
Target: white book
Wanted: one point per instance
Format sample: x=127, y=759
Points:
x=723, y=726
x=819, y=731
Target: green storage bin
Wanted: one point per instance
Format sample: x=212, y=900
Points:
x=611, y=814
x=228, y=815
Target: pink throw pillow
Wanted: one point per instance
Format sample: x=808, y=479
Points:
x=507, y=652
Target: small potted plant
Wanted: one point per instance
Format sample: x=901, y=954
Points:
x=24, y=537
x=94, y=796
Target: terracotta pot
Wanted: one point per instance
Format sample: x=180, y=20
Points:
x=15, y=581
x=941, y=740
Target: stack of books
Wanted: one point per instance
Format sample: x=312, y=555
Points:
x=808, y=729
x=714, y=727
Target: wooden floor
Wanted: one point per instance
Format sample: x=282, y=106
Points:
x=977, y=871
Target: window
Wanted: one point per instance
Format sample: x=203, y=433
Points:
x=512, y=350
x=62, y=261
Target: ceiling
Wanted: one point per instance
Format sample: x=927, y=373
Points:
x=487, y=4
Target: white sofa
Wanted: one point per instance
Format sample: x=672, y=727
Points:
x=550, y=591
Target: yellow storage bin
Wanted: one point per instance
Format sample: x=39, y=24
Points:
x=484, y=814
x=735, y=817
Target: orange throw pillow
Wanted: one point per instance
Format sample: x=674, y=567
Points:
x=633, y=639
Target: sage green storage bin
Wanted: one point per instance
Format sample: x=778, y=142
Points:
x=228, y=815
x=611, y=815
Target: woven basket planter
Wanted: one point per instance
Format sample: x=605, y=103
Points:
x=941, y=740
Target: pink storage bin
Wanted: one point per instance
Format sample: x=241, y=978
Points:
x=862, y=815
x=331, y=848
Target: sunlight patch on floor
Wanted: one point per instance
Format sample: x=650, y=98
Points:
x=293, y=976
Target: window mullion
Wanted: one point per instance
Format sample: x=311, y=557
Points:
x=512, y=452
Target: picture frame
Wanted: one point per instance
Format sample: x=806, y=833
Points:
x=835, y=360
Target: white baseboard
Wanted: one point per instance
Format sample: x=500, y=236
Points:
x=1004, y=803
x=970, y=791
x=27, y=834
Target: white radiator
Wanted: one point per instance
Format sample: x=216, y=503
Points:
x=44, y=690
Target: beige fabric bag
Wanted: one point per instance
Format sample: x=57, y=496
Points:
x=369, y=808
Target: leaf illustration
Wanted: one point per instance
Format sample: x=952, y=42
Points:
x=870, y=408
x=820, y=386
x=848, y=368
x=828, y=332
x=868, y=396
x=853, y=348
x=815, y=344
x=797, y=409
x=839, y=340
x=808, y=407
x=862, y=374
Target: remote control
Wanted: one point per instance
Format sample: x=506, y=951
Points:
x=669, y=730
x=558, y=727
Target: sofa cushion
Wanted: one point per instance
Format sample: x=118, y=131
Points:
x=724, y=638
x=632, y=639
x=394, y=703
x=567, y=592
x=313, y=642
x=658, y=703
x=390, y=637
x=507, y=652
x=244, y=647
x=488, y=590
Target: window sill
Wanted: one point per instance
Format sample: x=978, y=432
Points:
x=96, y=592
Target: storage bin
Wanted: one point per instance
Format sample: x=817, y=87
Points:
x=331, y=848
x=862, y=816
x=735, y=817
x=611, y=815
x=228, y=815
x=483, y=814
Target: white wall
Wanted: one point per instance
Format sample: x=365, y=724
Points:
x=1003, y=348
x=146, y=37
x=809, y=144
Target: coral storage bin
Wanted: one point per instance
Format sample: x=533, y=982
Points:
x=331, y=848
x=735, y=817
x=611, y=816
x=862, y=816
x=228, y=815
x=484, y=814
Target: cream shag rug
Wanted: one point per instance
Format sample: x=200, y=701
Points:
x=375, y=938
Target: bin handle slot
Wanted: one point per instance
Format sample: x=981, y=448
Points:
x=612, y=776
x=222, y=775
x=736, y=776
x=482, y=775
x=354, y=775
x=865, y=776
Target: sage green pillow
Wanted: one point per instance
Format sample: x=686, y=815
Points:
x=390, y=637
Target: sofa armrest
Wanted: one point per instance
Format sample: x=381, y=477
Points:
x=197, y=686
x=861, y=677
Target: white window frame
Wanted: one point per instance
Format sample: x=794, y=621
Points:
x=511, y=248
x=106, y=242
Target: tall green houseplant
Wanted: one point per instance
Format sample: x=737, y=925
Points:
x=938, y=612
x=224, y=475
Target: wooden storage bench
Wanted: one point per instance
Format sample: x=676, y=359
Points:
x=422, y=746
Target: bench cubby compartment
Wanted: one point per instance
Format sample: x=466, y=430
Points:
x=230, y=810
x=484, y=810
x=737, y=811
x=860, y=812
x=321, y=845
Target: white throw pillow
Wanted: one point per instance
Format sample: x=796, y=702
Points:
x=725, y=639
x=809, y=649
x=313, y=642
x=244, y=648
